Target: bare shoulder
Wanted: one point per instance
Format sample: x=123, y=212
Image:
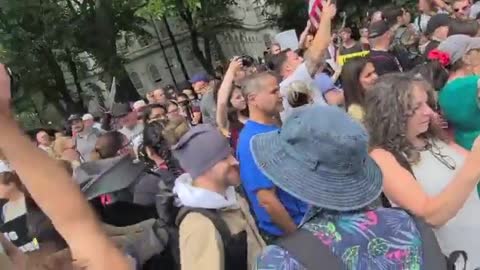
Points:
x=382, y=155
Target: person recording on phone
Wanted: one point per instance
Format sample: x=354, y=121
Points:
x=232, y=112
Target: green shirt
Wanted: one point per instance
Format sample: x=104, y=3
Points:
x=459, y=103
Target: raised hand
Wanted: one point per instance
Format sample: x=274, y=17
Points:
x=329, y=9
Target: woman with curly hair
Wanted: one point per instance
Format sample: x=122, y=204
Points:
x=424, y=173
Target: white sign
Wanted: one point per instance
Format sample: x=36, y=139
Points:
x=287, y=39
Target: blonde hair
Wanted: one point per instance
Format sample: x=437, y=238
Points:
x=299, y=93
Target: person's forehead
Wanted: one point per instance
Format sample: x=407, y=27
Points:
x=158, y=110
x=461, y=3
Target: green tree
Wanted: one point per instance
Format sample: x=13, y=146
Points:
x=32, y=48
x=41, y=39
x=98, y=25
x=205, y=19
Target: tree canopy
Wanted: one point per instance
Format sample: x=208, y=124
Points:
x=204, y=19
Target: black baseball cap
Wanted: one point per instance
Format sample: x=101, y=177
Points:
x=377, y=29
x=74, y=117
x=435, y=22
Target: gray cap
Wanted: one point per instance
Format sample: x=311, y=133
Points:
x=458, y=45
x=200, y=149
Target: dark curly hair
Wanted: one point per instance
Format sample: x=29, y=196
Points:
x=388, y=107
x=158, y=138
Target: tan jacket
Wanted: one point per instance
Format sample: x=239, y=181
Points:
x=201, y=247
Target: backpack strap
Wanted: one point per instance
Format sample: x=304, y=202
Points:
x=213, y=216
x=310, y=251
x=433, y=258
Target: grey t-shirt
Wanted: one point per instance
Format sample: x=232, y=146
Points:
x=85, y=143
x=208, y=107
x=300, y=74
x=132, y=134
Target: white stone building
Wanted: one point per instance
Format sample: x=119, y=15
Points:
x=145, y=62
x=147, y=67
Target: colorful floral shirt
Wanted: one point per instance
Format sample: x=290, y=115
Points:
x=378, y=239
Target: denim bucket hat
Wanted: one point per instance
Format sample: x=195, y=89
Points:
x=321, y=157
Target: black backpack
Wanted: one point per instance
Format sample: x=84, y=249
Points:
x=235, y=246
x=314, y=255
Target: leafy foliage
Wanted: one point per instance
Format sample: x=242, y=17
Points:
x=42, y=39
x=205, y=19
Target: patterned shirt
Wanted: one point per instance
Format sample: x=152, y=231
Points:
x=378, y=239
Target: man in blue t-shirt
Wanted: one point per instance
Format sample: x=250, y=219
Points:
x=277, y=212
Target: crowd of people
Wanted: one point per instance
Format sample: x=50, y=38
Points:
x=340, y=154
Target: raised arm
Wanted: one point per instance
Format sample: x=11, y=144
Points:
x=323, y=37
x=224, y=93
x=405, y=191
x=56, y=193
x=303, y=37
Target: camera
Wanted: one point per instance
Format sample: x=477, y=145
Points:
x=247, y=61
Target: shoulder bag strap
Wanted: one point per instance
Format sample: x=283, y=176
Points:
x=310, y=251
x=213, y=216
x=433, y=258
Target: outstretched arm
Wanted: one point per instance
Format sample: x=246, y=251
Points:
x=56, y=193
x=314, y=54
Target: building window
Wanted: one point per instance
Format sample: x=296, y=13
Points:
x=258, y=11
x=267, y=39
x=154, y=73
x=136, y=80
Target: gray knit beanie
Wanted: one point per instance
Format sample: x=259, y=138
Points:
x=200, y=149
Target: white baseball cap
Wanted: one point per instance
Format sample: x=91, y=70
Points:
x=138, y=105
x=87, y=117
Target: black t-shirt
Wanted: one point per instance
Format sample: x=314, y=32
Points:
x=384, y=62
x=357, y=47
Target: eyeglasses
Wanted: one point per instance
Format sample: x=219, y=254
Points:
x=446, y=160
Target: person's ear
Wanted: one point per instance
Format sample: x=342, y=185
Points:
x=466, y=59
x=251, y=98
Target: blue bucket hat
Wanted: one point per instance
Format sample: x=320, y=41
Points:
x=321, y=157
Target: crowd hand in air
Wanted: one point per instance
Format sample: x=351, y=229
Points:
x=303, y=37
x=321, y=41
x=224, y=93
x=55, y=193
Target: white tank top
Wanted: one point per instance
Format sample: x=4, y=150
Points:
x=463, y=231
